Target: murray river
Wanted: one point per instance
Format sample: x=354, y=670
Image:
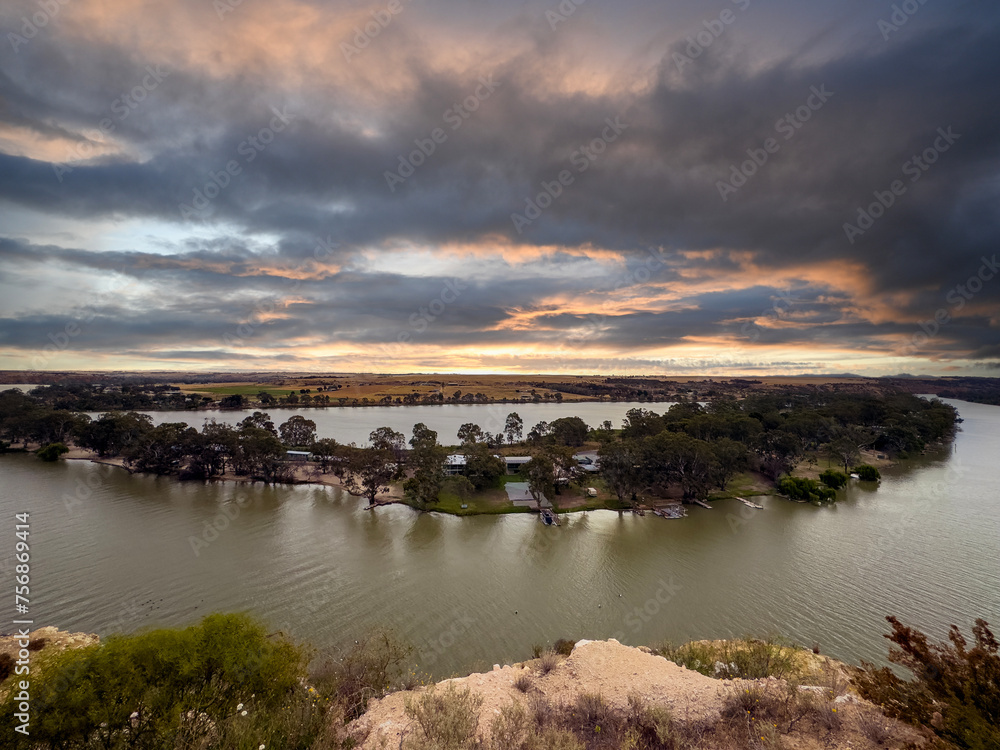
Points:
x=113, y=551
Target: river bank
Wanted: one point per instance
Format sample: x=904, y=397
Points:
x=494, y=501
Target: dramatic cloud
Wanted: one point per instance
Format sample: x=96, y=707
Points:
x=734, y=187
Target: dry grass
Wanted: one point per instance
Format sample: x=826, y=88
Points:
x=548, y=661
x=523, y=683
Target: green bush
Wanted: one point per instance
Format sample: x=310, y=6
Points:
x=564, y=646
x=800, y=488
x=867, y=473
x=955, y=690
x=749, y=658
x=833, y=479
x=52, y=451
x=158, y=688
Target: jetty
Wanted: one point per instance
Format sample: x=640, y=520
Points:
x=670, y=511
x=750, y=504
x=702, y=503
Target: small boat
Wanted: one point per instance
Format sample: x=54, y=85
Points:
x=855, y=476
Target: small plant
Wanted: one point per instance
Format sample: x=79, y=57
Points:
x=874, y=725
x=37, y=644
x=523, y=682
x=537, y=651
x=445, y=720
x=510, y=728
x=6, y=666
x=651, y=722
x=554, y=739
x=592, y=710
x=564, y=647
x=548, y=662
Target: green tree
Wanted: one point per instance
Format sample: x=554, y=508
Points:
x=259, y=419
x=469, y=434
x=867, y=473
x=833, y=479
x=388, y=439
x=234, y=401
x=52, y=451
x=513, y=427
x=571, y=431
x=328, y=452
x=539, y=432
x=732, y=458
x=427, y=459
x=213, y=448
x=619, y=462
x=482, y=467
x=369, y=472
x=163, y=449
x=298, y=431
x=260, y=455
x=113, y=432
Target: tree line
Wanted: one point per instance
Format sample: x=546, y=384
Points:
x=697, y=448
x=691, y=447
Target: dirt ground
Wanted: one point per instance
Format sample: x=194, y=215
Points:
x=613, y=671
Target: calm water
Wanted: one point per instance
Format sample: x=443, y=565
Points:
x=113, y=551
x=353, y=424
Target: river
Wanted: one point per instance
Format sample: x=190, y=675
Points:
x=112, y=551
x=353, y=424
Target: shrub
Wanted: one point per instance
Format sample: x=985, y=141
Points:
x=86, y=697
x=510, y=728
x=833, y=479
x=52, y=451
x=874, y=725
x=554, y=739
x=592, y=710
x=445, y=720
x=955, y=690
x=750, y=699
x=749, y=658
x=564, y=647
x=801, y=488
x=6, y=666
x=366, y=670
x=37, y=644
x=867, y=473
x=651, y=723
x=523, y=683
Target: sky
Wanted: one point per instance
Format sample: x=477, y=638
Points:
x=725, y=187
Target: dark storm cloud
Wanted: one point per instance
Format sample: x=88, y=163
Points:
x=320, y=182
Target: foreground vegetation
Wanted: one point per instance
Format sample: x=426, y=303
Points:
x=225, y=683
